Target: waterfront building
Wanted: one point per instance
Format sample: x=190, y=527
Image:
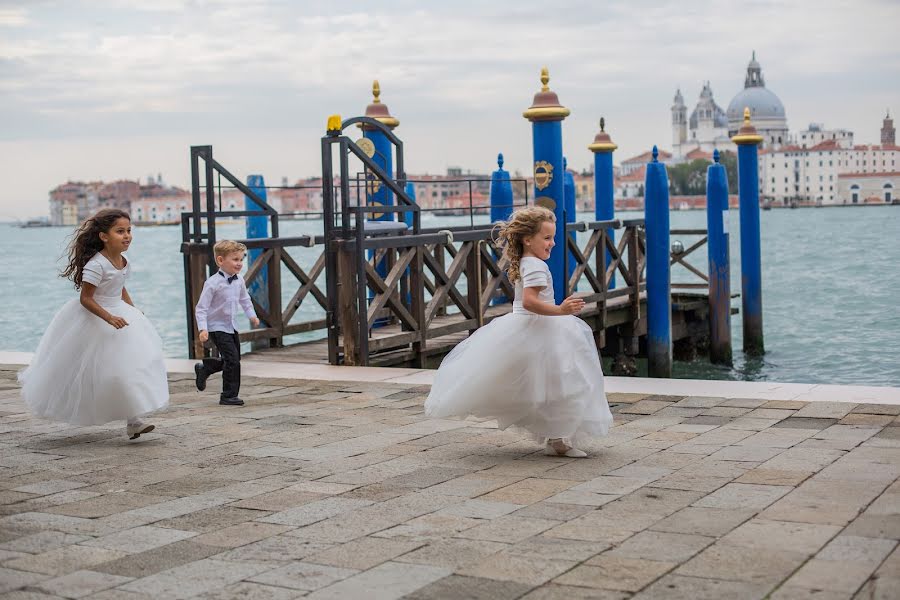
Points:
x=832, y=171
x=710, y=128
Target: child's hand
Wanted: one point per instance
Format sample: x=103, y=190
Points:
x=572, y=305
x=117, y=322
x=254, y=321
x=204, y=335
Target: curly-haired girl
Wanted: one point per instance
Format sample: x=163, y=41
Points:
x=537, y=368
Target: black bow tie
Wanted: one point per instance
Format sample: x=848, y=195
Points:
x=230, y=279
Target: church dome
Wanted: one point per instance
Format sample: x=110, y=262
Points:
x=763, y=104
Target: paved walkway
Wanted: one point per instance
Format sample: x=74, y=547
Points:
x=324, y=489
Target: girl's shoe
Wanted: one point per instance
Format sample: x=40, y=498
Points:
x=135, y=430
x=558, y=447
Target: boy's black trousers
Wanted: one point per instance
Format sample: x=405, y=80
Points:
x=229, y=362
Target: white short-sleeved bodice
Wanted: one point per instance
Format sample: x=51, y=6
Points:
x=109, y=280
x=533, y=272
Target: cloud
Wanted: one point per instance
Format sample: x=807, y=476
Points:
x=13, y=17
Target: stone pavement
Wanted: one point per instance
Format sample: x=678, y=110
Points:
x=329, y=490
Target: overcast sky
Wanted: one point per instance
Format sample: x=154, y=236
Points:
x=99, y=89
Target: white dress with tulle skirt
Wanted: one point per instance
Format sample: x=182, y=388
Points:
x=528, y=371
x=87, y=372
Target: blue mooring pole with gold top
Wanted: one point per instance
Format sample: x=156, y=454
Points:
x=377, y=194
x=659, y=295
x=604, y=186
x=546, y=115
x=747, y=140
x=383, y=155
x=717, y=224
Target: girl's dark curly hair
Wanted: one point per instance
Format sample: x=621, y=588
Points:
x=86, y=242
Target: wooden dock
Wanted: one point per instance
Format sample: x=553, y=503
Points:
x=397, y=296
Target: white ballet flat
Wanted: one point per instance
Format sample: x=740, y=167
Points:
x=570, y=453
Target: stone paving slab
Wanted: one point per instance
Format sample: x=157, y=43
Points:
x=332, y=489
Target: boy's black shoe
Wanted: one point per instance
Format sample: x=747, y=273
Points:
x=201, y=376
x=231, y=401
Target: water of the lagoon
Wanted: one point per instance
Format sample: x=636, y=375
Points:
x=831, y=281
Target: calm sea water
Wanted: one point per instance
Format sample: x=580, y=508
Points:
x=831, y=289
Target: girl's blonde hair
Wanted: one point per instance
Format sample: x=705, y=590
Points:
x=525, y=222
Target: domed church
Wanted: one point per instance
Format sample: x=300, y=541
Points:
x=710, y=128
x=766, y=110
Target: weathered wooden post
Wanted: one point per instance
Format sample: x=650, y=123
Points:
x=659, y=297
x=604, y=187
x=501, y=207
x=747, y=140
x=258, y=227
x=546, y=115
x=717, y=223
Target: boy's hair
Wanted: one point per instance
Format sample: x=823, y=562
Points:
x=226, y=247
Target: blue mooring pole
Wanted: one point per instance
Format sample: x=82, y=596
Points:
x=410, y=190
x=546, y=115
x=257, y=227
x=377, y=193
x=604, y=187
x=659, y=297
x=501, y=206
x=717, y=223
x=501, y=193
x=571, y=210
x=747, y=140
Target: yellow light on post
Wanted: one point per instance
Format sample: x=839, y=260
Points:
x=334, y=123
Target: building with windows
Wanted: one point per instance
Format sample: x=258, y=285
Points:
x=831, y=171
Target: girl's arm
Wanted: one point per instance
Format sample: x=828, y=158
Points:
x=87, y=301
x=531, y=302
x=126, y=297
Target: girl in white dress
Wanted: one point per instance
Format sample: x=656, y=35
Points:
x=100, y=359
x=536, y=368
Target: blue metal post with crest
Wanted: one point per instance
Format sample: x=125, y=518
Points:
x=380, y=149
x=604, y=186
x=546, y=115
x=659, y=296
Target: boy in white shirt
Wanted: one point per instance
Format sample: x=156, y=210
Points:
x=216, y=319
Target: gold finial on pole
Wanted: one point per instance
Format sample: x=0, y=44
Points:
x=378, y=110
x=747, y=134
x=545, y=79
x=376, y=92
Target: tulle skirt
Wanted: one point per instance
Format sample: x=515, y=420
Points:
x=86, y=372
x=532, y=372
